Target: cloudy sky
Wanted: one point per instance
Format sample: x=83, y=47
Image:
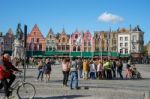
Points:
x=92, y=15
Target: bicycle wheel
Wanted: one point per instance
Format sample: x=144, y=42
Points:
x=26, y=91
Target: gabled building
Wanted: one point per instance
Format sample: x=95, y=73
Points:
x=51, y=41
x=63, y=42
x=35, y=40
x=87, y=43
x=97, y=42
x=76, y=41
x=8, y=40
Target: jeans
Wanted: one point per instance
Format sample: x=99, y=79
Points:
x=92, y=75
x=73, y=79
x=40, y=73
x=80, y=73
x=120, y=73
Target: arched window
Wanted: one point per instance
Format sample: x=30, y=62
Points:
x=47, y=48
x=40, y=47
x=74, y=48
x=76, y=36
x=50, y=48
x=78, y=48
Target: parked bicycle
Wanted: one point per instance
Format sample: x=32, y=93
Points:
x=23, y=89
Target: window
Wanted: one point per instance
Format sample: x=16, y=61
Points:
x=59, y=47
x=37, y=40
x=50, y=48
x=63, y=47
x=126, y=51
x=89, y=49
x=126, y=38
x=50, y=36
x=78, y=48
x=89, y=43
x=85, y=43
x=134, y=38
x=85, y=49
x=74, y=48
x=121, y=44
x=40, y=47
x=32, y=40
x=76, y=36
x=34, y=33
x=63, y=40
x=121, y=38
x=67, y=47
x=126, y=44
x=121, y=51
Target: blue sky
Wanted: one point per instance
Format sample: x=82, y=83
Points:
x=74, y=14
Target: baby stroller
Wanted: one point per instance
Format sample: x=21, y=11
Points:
x=136, y=74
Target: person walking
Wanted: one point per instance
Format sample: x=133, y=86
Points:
x=120, y=68
x=80, y=67
x=73, y=74
x=65, y=70
x=92, y=70
x=85, y=69
x=40, y=70
x=100, y=70
x=47, y=70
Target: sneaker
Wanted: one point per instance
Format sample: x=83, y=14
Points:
x=36, y=80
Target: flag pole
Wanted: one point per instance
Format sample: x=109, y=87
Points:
x=70, y=47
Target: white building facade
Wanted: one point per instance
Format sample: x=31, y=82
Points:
x=137, y=40
x=124, y=43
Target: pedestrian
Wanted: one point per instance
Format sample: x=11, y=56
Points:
x=80, y=67
x=113, y=68
x=100, y=70
x=40, y=70
x=47, y=70
x=119, y=68
x=92, y=70
x=85, y=69
x=73, y=74
x=65, y=70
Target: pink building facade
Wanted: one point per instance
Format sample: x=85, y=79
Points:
x=76, y=41
x=87, y=42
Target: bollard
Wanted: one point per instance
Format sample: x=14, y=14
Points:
x=147, y=95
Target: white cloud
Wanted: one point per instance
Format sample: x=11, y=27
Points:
x=110, y=18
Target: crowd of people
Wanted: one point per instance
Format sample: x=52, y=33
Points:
x=72, y=70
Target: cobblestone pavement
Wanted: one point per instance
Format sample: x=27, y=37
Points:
x=96, y=89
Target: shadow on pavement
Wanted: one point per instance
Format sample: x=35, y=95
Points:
x=62, y=97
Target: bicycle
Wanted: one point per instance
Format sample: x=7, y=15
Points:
x=24, y=90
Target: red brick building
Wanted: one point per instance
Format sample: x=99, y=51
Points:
x=35, y=40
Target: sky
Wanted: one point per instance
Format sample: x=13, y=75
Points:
x=81, y=15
